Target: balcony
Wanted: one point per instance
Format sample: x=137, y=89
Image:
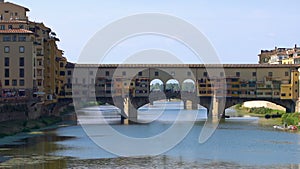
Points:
x=40, y=76
x=37, y=43
x=40, y=54
x=40, y=67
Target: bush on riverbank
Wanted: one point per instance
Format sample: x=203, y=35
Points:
x=291, y=119
x=257, y=111
x=266, y=111
x=286, y=118
x=262, y=113
x=12, y=127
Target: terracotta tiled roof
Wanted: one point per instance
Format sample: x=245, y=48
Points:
x=15, y=31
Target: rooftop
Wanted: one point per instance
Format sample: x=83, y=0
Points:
x=9, y=31
x=26, y=9
x=13, y=21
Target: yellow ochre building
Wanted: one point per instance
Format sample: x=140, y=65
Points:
x=30, y=62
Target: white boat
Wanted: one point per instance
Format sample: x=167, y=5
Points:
x=290, y=127
x=279, y=127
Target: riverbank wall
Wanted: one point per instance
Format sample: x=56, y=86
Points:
x=18, y=117
x=29, y=110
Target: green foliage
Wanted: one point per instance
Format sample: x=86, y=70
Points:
x=238, y=106
x=50, y=120
x=12, y=127
x=157, y=86
x=173, y=86
x=261, y=110
x=265, y=111
x=291, y=118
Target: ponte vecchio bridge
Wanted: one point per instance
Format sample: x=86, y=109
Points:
x=128, y=86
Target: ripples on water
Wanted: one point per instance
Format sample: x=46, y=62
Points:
x=238, y=143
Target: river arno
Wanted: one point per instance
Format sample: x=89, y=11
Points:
x=237, y=143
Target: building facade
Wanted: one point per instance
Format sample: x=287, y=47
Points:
x=29, y=56
x=253, y=81
x=280, y=56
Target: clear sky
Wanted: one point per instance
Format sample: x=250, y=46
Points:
x=238, y=29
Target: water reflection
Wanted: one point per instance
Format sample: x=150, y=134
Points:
x=33, y=152
x=238, y=143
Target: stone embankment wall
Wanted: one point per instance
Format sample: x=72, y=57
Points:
x=13, y=111
x=29, y=110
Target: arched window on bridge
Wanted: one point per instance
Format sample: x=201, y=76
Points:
x=156, y=85
x=188, y=86
x=172, y=85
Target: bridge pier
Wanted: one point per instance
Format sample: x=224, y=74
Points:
x=129, y=113
x=292, y=108
x=297, y=108
x=124, y=120
x=216, y=110
x=131, y=119
x=190, y=105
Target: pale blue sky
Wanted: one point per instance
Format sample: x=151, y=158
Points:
x=238, y=29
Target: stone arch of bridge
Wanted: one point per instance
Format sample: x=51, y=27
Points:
x=288, y=104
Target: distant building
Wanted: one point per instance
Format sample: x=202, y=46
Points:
x=280, y=56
